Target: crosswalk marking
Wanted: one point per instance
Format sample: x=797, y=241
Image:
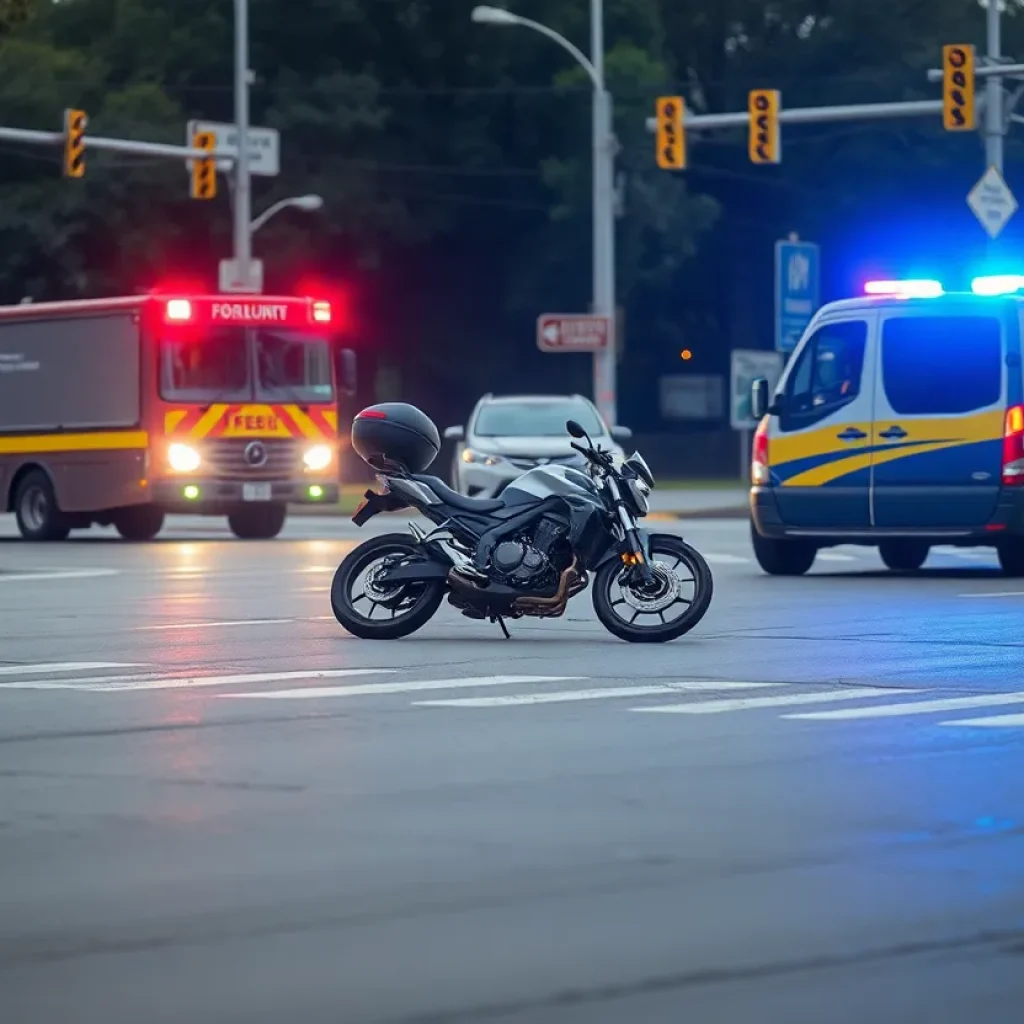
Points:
x=994, y=722
x=923, y=707
x=64, y=666
x=412, y=686
x=566, y=696
x=719, y=707
x=127, y=684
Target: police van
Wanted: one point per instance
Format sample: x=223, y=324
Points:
x=898, y=423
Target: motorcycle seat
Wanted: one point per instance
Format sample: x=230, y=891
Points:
x=456, y=500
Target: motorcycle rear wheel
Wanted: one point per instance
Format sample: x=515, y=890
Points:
x=412, y=605
x=619, y=614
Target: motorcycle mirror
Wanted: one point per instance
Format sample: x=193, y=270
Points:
x=574, y=429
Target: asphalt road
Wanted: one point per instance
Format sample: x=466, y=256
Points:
x=215, y=806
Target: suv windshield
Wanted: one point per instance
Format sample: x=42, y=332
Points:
x=534, y=419
x=214, y=365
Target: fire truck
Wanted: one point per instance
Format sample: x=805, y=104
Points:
x=121, y=411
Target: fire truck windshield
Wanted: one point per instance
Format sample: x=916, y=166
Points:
x=236, y=364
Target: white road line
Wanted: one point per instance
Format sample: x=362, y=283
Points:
x=123, y=684
x=720, y=707
x=70, y=574
x=832, y=556
x=64, y=666
x=924, y=707
x=211, y=625
x=995, y=722
x=410, y=686
x=996, y=593
x=721, y=559
x=565, y=696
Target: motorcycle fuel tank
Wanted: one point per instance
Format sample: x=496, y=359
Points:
x=547, y=481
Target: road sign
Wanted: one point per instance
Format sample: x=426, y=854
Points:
x=233, y=279
x=992, y=202
x=572, y=332
x=746, y=366
x=797, y=290
x=264, y=146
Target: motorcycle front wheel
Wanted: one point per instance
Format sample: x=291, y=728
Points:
x=357, y=593
x=670, y=606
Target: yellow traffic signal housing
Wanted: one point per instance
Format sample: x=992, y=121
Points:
x=204, y=172
x=958, y=88
x=670, y=133
x=765, y=143
x=75, y=122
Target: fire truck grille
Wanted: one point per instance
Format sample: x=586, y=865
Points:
x=253, y=459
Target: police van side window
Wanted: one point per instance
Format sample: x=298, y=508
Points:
x=827, y=374
x=942, y=365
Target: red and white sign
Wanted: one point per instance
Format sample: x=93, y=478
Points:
x=570, y=332
x=207, y=309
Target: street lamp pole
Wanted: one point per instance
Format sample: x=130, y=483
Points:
x=308, y=203
x=243, y=178
x=604, y=152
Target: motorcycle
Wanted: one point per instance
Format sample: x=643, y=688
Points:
x=550, y=534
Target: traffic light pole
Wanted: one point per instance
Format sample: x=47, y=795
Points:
x=127, y=146
x=995, y=126
x=243, y=179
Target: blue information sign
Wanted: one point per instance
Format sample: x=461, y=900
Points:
x=797, y=290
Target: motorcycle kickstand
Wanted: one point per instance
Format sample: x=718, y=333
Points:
x=501, y=622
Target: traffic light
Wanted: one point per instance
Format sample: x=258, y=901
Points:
x=765, y=144
x=75, y=122
x=671, y=138
x=958, y=88
x=204, y=172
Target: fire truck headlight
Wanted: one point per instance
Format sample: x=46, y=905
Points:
x=182, y=458
x=318, y=457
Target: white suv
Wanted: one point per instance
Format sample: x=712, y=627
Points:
x=509, y=435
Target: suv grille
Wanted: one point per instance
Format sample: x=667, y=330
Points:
x=227, y=458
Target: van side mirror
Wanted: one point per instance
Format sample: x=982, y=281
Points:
x=759, y=398
x=348, y=377
x=621, y=434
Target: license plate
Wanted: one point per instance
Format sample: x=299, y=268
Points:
x=255, y=492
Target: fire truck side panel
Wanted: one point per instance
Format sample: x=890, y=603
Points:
x=73, y=403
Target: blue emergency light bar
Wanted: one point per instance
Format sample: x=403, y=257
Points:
x=922, y=288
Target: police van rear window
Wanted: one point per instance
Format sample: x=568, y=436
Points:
x=942, y=365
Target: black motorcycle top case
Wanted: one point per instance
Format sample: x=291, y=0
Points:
x=395, y=436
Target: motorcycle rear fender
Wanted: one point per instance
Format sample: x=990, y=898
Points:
x=374, y=502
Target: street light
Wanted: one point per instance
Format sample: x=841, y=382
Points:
x=604, y=150
x=309, y=204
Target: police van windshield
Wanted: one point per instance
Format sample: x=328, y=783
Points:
x=234, y=364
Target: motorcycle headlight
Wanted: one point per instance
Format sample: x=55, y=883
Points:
x=182, y=458
x=639, y=492
x=318, y=457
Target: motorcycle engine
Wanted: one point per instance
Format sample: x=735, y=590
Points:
x=515, y=563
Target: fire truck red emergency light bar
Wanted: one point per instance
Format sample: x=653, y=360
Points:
x=216, y=309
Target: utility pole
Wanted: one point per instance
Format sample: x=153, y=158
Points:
x=995, y=125
x=604, y=204
x=243, y=179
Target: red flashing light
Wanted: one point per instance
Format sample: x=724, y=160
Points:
x=1013, y=447
x=178, y=310
x=321, y=311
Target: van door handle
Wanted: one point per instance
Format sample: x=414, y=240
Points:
x=851, y=434
x=893, y=433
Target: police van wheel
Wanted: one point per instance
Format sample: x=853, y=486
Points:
x=782, y=557
x=258, y=522
x=904, y=555
x=1011, y=558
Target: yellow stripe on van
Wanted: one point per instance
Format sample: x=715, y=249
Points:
x=39, y=444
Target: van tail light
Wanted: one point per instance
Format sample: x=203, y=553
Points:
x=1013, y=447
x=760, y=473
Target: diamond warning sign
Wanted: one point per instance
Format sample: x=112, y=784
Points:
x=569, y=332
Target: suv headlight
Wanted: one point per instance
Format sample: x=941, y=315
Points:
x=471, y=457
